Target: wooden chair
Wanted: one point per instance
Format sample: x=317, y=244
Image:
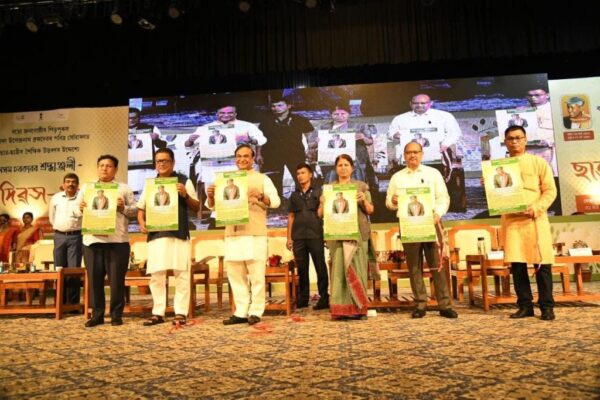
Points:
x=462, y=240
x=277, y=245
x=214, y=247
x=200, y=271
x=487, y=267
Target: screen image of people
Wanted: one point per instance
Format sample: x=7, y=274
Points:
x=453, y=120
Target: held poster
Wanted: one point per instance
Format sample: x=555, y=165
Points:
x=100, y=212
x=333, y=143
x=416, y=215
x=340, y=213
x=162, y=204
x=503, y=186
x=231, y=198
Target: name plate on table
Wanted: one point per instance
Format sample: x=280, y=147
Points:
x=495, y=255
x=581, y=251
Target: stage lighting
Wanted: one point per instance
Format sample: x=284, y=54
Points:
x=31, y=25
x=145, y=24
x=310, y=3
x=244, y=6
x=175, y=10
x=116, y=18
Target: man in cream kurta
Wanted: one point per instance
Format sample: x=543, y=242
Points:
x=246, y=245
x=526, y=236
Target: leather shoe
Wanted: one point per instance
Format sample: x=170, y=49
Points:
x=92, y=322
x=235, y=320
x=548, y=314
x=522, y=313
x=154, y=320
x=418, y=313
x=253, y=319
x=448, y=313
x=117, y=321
x=322, y=304
x=302, y=304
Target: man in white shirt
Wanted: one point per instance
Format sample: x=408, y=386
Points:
x=246, y=245
x=109, y=254
x=65, y=218
x=418, y=175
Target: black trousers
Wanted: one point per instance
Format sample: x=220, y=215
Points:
x=543, y=278
x=315, y=248
x=67, y=253
x=110, y=259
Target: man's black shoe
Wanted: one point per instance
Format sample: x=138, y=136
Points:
x=548, y=314
x=117, y=321
x=302, y=304
x=418, y=313
x=322, y=304
x=235, y=320
x=253, y=319
x=523, y=313
x=448, y=313
x=92, y=322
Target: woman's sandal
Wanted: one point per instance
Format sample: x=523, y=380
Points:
x=154, y=320
x=179, y=319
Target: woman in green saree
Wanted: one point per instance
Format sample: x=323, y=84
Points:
x=349, y=258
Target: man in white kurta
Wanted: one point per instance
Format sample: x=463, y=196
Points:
x=169, y=250
x=526, y=236
x=246, y=245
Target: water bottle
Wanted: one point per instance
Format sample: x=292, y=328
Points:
x=481, y=250
x=1, y=266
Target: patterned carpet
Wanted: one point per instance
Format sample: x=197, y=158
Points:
x=478, y=356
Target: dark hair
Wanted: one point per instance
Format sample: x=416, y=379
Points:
x=27, y=213
x=304, y=165
x=71, y=175
x=5, y=215
x=166, y=150
x=134, y=110
x=345, y=157
x=514, y=128
x=114, y=159
x=339, y=107
x=244, y=145
x=279, y=99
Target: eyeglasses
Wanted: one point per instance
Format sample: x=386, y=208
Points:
x=514, y=139
x=414, y=152
x=162, y=161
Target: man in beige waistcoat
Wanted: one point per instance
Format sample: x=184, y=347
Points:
x=246, y=245
x=526, y=236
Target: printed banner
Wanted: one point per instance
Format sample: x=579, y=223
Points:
x=340, y=213
x=333, y=143
x=231, y=198
x=100, y=212
x=503, y=186
x=162, y=204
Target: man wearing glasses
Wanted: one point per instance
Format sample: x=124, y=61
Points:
x=418, y=175
x=441, y=130
x=169, y=249
x=526, y=235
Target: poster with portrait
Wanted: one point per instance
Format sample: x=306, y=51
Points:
x=416, y=215
x=231, y=198
x=332, y=143
x=503, y=186
x=100, y=212
x=139, y=145
x=575, y=111
x=340, y=213
x=217, y=142
x=162, y=204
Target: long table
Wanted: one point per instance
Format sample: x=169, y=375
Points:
x=33, y=280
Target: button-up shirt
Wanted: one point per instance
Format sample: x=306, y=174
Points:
x=64, y=213
x=423, y=176
x=304, y=206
